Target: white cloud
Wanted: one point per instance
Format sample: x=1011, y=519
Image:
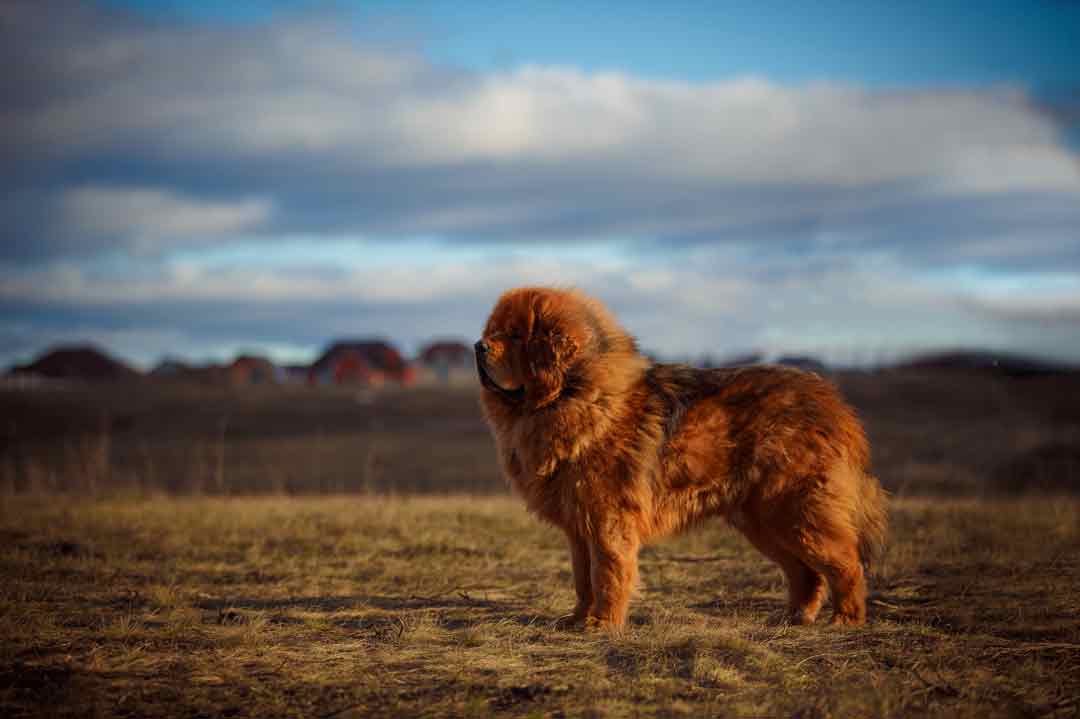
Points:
x=399, y=144
x=1042, y=299
x=986, y=169
x=146, y=216
x=266, y=94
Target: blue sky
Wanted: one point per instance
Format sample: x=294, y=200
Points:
x=880, y=43
x=850, y=179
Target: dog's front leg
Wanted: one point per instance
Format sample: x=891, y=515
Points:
x=579, y=557
x=613, y=565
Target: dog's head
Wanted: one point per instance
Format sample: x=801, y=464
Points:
x=532, y=342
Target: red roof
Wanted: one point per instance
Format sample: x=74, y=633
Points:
x=378, y=354
x=447, y=352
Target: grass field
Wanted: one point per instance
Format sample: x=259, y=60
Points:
x=202, y=551
x=446, y=606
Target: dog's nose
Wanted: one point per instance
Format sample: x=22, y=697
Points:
x=481, y=347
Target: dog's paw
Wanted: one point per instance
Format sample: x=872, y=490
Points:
x=602, y=624
x=849, y=620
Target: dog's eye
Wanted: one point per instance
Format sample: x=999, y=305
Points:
x=514, y=335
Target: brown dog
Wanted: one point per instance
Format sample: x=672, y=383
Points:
x=616, y=450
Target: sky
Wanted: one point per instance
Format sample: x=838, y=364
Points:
x=857, y=180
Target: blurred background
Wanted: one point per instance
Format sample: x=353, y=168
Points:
x=246, y=246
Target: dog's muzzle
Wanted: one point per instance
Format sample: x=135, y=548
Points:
x=510, y=395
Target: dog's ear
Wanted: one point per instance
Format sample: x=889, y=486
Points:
x=549, y=354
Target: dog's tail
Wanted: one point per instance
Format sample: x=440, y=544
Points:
x=871, y=518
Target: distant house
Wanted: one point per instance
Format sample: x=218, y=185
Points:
x=170, y=367
x=176, y=370
x=296, y=373
x=446, y=352
x=248, y=370
x=370, y=363
x=447, y=359
x=77, y=362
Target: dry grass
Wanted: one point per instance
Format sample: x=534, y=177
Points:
x=362, y=606
x=947, y=434
x=148, y=438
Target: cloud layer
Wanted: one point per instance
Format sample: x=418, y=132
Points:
x=140, y=139
x=122, y=122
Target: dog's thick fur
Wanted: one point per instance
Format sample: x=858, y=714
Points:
x=616, y=450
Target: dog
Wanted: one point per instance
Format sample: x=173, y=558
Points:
x=616, y=450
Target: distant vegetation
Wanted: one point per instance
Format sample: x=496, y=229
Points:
x=1011, y=365
x=938, y=429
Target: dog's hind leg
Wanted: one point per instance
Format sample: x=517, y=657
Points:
x=844, y=571
x=833, y=550
x=806, y=587
x=848, y=584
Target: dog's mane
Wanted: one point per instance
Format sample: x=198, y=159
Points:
x=675, y=388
